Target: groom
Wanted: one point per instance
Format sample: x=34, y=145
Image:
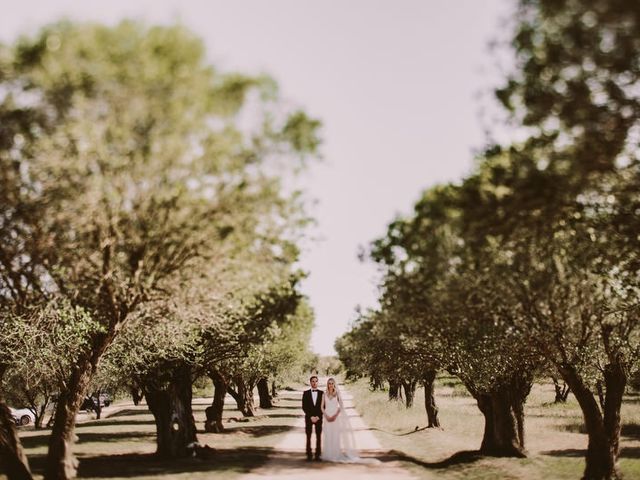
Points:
x=311, y=400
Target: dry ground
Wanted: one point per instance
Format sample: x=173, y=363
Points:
x=122, y=445
x=271, y=445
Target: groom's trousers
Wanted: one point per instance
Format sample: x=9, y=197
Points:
x=308, y=430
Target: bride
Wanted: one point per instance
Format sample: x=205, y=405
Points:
x=338, y=442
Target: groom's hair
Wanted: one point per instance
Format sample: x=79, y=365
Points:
x=312, y=377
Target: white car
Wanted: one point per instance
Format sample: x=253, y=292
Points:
x=22, y=416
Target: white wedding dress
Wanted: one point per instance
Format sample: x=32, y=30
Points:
x=338, y=441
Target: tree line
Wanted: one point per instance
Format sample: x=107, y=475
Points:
x=149, y=232
x=530, y=264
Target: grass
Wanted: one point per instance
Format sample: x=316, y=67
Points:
x=122, y=446
x=555, y=437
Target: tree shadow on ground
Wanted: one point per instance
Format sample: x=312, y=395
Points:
x=281, y=415
x=126, y=412
x=36, y=441
x=84, y=437
x=625, y=452
x=240, y=460
x=108, y=422
x=459, y=458
x=630, y=430
x=284, y=407
x=259, y=430
x=415, y=430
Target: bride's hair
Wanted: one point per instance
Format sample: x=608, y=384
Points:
x=336, y=392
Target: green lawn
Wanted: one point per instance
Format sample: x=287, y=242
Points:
x=122, y=446
x=554, y=435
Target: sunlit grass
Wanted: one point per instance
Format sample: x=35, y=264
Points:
x=554, y=435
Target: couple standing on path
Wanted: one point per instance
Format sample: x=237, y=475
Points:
x=338, y=444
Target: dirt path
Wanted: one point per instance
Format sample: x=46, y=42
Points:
x=288, y=460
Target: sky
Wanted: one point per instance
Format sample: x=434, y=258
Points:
x=398, y=84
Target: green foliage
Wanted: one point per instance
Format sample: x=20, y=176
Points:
x=532, y=259
x=132, y=188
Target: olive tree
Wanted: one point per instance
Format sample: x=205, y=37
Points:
x=125, y=164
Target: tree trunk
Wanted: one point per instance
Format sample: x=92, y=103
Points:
x=171, y=409
x=98, y=404
x=274, y=389
x=430, y=399
x=136, y=395
x=53, y=416
x=375, y=381
x=503, y=411
x=13, y=461
x=409, y=392
x=603, y=431
x=61, y=464
x=600, y=390
x=394, y=390
x=214, y=412
x=41, y=411
x=231, y=391
x=38, y=409
x=263, y=393
x=245, y=397
x=562, y=392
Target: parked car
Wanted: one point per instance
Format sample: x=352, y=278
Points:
x=105, y=399
x=22, y=416
x=91, y=402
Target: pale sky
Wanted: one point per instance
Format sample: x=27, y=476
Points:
x=395, y=83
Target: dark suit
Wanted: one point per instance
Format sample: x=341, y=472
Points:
x=312, y=410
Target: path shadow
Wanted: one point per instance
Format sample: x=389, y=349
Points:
x=294, y=465
x=240, y=460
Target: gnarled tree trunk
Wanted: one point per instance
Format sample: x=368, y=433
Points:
x=171, y=409
x=263, y=393
x=430, y=399
x=503, y=410
x=136, y=390
x=61, y=464
x=562, y=392
x=214, y=412
x=13, y=461
x=98, y=404
x=603, y=430
x=394, y=389
x=409, y=387
x=244, y=397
